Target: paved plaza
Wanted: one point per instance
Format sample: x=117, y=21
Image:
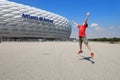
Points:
x=58, y=61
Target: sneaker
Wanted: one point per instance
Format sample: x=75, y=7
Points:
x=92, y=54
x=80, y=51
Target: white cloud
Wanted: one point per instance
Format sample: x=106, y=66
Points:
x=96, y=26
x=99, y=32
x=111, y=27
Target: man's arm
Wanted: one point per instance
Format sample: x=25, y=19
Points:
x=86, y=19
x=75, y=23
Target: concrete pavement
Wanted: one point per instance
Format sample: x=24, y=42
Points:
x=58, y=61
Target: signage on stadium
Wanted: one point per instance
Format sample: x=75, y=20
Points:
x=36, y=18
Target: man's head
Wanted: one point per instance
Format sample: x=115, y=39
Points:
x=86, y=24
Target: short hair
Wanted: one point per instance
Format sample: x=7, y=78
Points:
x=86, y=25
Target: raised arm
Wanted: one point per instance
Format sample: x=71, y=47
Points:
x=75, y=23
x=86, y=19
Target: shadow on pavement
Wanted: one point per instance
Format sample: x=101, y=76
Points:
x=88, y=59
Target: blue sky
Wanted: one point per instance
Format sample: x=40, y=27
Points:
x=104, y=20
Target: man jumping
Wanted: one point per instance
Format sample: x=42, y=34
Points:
x=82, y=35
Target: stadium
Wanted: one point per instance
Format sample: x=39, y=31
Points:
x=19, y=21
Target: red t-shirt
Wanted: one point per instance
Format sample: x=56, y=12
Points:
x=82, y=29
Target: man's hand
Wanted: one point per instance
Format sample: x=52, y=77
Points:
x=86, y=19
x=88, y=13
x=74, y=23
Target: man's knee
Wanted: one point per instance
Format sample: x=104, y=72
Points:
x=86, y=42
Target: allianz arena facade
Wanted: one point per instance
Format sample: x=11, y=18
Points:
x=18, y=20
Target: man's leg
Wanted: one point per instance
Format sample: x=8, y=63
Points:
x=80, y=45
x=88, y=46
